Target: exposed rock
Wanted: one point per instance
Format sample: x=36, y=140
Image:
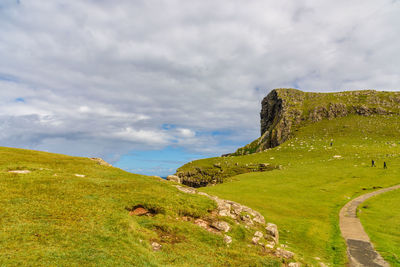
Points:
x=80, y=175
x=255, y=240
x=139, y=211
x=174, y=178
x=284, y=253
x=201, y=223
x=222, y=226
x=272, y=230
x=156, y=246
x=258, y=234
x=227, y=239
x=294, y=264
x=101, y=162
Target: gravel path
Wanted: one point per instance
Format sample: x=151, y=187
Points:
x=360, y=250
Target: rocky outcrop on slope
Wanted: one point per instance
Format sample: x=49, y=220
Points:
x=284, y=110
x=265, y=235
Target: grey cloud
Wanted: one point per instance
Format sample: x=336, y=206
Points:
x=104, y=76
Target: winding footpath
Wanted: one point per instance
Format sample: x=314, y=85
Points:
x=360, y=250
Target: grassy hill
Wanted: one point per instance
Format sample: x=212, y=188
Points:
x=70, y=211
x=316, y=179
x=284, y=111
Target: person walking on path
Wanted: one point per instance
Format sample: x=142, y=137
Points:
x=373, y=163
x=384, y=165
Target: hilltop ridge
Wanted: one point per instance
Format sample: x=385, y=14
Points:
x=284, y=110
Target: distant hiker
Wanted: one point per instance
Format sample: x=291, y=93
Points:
x=384, y=165
x=373, y=163
x=331, y=143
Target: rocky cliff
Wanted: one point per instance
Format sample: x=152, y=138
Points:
x=283, y=110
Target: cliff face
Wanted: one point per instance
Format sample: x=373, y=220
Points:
x=283, y=110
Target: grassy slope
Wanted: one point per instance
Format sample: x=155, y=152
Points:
x=305, y=197
x=52, y=217
x=380, y=217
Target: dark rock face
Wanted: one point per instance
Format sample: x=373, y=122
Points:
x=280, y=110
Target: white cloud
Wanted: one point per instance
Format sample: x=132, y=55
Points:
x=105, y=76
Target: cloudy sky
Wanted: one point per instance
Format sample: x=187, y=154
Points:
x=151, y=84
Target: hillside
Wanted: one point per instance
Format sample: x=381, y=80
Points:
x=284, y=111
x=323, y=163
x=58, y=210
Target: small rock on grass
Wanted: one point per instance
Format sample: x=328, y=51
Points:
x=156, y=246
x=227, y=239
x=294, y=264
x=222, y=226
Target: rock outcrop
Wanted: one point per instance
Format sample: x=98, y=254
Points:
x=265, y=236
x=284, y=110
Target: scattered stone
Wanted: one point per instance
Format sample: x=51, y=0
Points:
x=258, y=234
x=294, y=264
x=272, y=230
x=139, y=211
x=156, y=246
x=337, y=156
x=255, y=240
x=174, y=178
x=201, y=223
x=222, y=226
x=227, y=239
x=270, y=245
x=284, y=253
x=20, y=171
x=80, y=175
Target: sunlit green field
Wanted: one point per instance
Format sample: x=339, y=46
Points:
x=380, y=217
x=317, y=179
x=51, y=217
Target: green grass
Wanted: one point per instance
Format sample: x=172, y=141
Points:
x=50, y=217
x=304, y=198
x=380, y=217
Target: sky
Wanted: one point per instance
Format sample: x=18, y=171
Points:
x=149, y=85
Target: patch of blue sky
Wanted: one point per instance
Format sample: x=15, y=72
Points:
x=8, y=78
x=167, y=126
x=19, y=100
x=157, y=162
